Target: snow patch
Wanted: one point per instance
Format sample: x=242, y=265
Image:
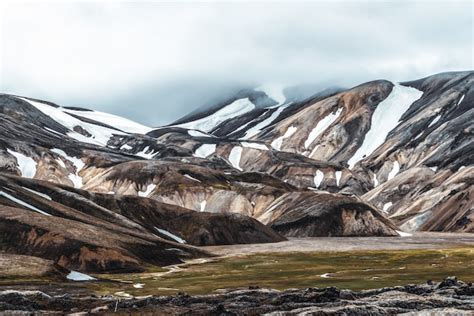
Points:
x=254, y=145
x=325, y=275
x=436, y=119
x=147, y=191
x=203, y=206
x=78, y=276
x=18, y=201
x=146, y=153
x=278, y=142
x=195, y=133
x=460, y=100
x=78, y=164
x=26, y=164
x=385, y=118
x=394, y=171
x=53, y=131
x=434, y=168
x=47, y=197
x=234, y=157
x=83, y=139
x=205, y=150
x=338, y=177
x=121, y=123
x=403, y=234
x=100, y=134
x=232, y=110
x=61, y=163
x=376, y=182
x=189, y=177
x=126, y=147
x=170, y=235
x=386, y=206
x=76, y=180
x=321, y=126
x=318, y=178
x=138, y=285
x=266, y=122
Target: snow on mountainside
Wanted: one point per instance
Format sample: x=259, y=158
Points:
x=118, y=122
x=241, y=107
x=379, y=159
x=385, y=118
x=207, y=124
x=162, y=165
x=375, y=159
x=90, y=132
x=382, y=130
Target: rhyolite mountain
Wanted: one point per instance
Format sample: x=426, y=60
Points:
x=91, y=191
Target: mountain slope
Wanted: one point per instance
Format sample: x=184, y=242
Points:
x=367, y=141
x=171, y=164
x=365, y=161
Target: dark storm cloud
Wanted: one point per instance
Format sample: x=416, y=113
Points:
x=155, y=62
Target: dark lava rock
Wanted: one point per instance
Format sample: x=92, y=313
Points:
x=314, y=301
x=448, y=282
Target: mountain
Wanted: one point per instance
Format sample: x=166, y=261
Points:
x=91, y=191
x=406, y=148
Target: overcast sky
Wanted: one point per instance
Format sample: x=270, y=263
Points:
x=155, y=62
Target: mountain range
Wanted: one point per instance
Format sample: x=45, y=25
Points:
x=95, y=192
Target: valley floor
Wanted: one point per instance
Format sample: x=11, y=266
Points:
x=418, y=240
x=356, y=264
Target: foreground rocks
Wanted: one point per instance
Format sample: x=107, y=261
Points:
x=450, y=295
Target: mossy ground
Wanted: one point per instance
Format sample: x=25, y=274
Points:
x=354, y=270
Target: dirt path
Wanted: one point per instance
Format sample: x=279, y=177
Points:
x=422, y=240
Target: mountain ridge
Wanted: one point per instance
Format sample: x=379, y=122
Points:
x=376, y=159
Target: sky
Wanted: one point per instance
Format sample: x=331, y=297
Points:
x=154, y=62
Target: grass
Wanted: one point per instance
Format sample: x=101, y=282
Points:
x=354, y=270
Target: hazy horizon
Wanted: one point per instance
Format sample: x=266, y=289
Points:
x=155, y=62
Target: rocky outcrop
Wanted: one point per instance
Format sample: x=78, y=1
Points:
x=325, y=215
x=450, y=296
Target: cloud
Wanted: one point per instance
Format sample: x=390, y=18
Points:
x=155, y=62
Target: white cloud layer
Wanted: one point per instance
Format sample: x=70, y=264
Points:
x=154, y=62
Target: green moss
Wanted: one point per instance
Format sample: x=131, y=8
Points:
x=353, y=270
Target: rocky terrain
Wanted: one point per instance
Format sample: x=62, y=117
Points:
x=450, y=296
x=93, y=192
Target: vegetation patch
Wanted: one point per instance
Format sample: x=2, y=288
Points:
x=355, y=270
